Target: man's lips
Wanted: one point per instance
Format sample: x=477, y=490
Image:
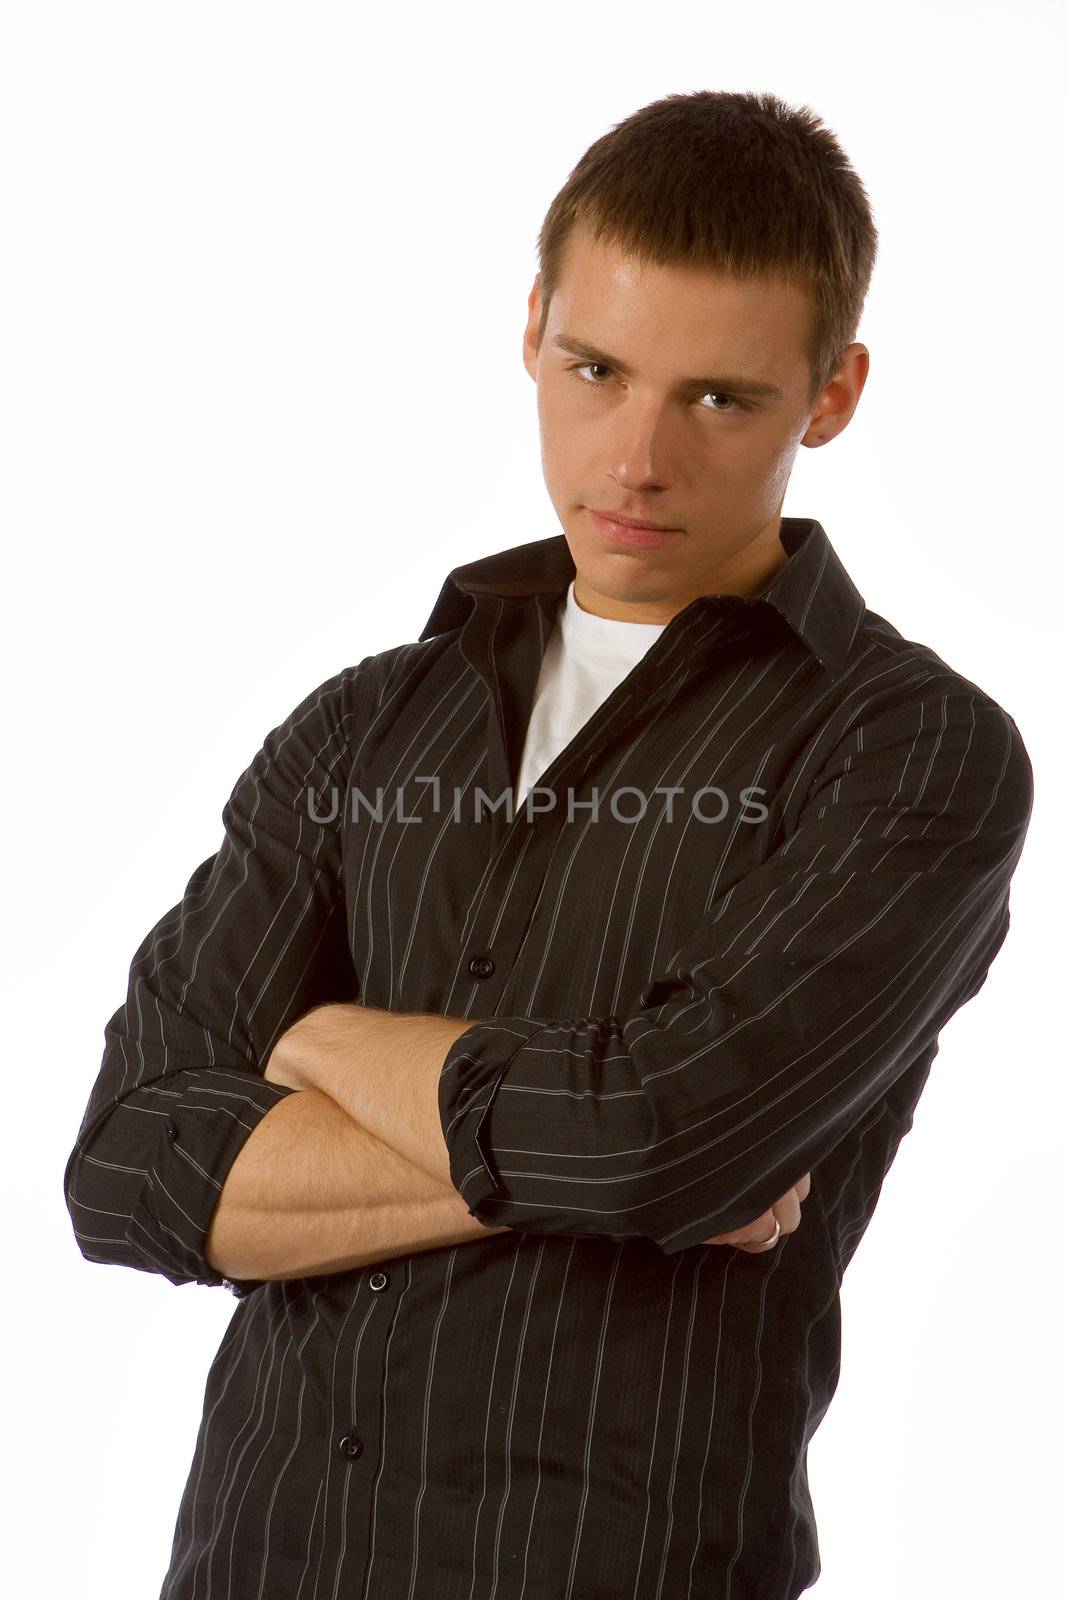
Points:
x=635, y=534
x=633, y=522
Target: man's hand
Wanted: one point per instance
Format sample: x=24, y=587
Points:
x=755, y=1236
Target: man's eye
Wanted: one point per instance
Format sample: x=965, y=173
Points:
x=735, y=405
x=718, y=394
x=585, y=366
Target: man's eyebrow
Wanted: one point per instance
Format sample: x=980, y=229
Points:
x=750, y=386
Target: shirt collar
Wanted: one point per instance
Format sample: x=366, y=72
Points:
x=812, y=590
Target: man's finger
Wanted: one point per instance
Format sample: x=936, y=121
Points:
x=757, y=1235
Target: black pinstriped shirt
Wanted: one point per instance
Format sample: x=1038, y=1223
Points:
x=712, y=952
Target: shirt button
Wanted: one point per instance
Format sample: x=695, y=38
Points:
x=482, y=966
x=351, y=1446
x=378, y=1280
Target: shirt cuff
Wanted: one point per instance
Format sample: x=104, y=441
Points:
x=472, y=1072
x=208, y=1125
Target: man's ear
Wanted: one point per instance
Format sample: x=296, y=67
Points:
x=529, y=338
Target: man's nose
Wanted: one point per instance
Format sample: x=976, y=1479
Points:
x=639, y=456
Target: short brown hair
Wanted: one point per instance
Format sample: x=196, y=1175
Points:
x=736, y=183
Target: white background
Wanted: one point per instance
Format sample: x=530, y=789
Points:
x=263, y=284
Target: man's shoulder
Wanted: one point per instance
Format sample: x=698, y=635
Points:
x=344, y=702
x=371, y=675
x=894, y=683
x=881, y=651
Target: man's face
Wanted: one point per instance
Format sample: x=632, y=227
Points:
x=623, y=430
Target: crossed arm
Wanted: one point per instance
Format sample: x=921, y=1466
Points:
x=314, y=1190
x=382, y=1069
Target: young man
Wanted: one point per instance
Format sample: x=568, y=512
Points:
x=498, y=1118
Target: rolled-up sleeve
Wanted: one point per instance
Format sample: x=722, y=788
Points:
x=258, y=938
x=801, y=996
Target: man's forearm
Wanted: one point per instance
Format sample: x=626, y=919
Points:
x=313, y=1192
x=382, y=1067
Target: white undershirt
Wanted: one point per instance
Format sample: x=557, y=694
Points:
x=586, y=657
